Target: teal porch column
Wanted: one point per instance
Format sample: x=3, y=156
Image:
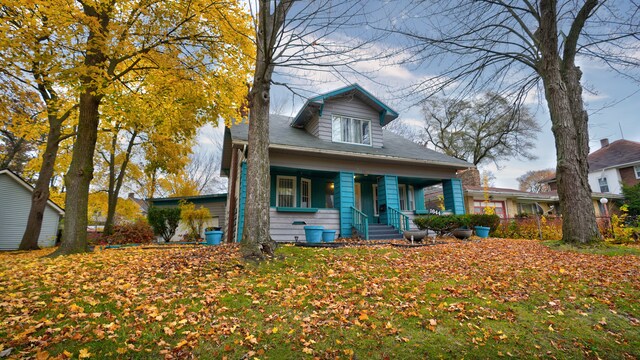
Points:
x=453, y=196
x=419, y=199
x=344, y=198
x=242, y=197
x=388, y=195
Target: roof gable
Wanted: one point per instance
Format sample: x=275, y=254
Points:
x=316, y=104
x=619, y=152
x=15, y=177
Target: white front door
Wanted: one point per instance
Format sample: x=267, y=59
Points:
x=358, y=196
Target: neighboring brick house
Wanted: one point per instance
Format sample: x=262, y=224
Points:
x=610, y=166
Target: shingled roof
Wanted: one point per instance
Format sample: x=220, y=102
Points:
x=618, y=152
x=395, y=146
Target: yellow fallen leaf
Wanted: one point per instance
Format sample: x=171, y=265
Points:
x=363, y=316
x=84, y=354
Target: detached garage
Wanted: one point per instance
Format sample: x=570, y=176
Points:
x=15, y=203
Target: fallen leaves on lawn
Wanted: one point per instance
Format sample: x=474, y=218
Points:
x=165, y=301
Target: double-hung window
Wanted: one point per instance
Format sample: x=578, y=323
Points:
x=412, y=198
x=350, y=130
x=286, y=191
x=604, y=186
x=402, y=192
x=305, y=193
x=636, y=170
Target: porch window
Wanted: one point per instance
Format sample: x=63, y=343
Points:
x=636, y=170
x=402, y=194
x=375, y=200
x=412, y=198
x=604, y=186
x=350, y=130
x=328, y=195
x=528, y=208
x=286, y=191
x=305, y=193
x=498, y=207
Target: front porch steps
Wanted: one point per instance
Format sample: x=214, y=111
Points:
x=383, y=232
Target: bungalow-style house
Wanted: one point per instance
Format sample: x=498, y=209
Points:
x=509, y=203
x=334, y=165
x=611, y=166
x=15, y=198
x=215, y=203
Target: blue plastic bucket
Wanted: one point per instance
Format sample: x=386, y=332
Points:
x=313, y=233
x=213, y=237
x=328, y=235
x=482, y=231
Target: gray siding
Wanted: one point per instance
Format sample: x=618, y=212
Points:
x=312, y=126
x=15, y=203
x=347, y=106
x=282, y=229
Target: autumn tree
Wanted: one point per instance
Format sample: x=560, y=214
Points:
x=533, y=180
x=515, y=47
x=481, y=130
x=288, y=35
x=22, y=128
x=138, y=115
x=34, y=60
x=103, y=42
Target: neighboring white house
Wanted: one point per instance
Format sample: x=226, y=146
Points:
x=15, y=203
x=611, y=166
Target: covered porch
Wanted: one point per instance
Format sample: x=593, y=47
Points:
x=348, y=202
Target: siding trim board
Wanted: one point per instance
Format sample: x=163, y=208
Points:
x=344, y=195
x=243, y=198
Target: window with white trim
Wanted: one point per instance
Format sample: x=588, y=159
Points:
x=498, y=207
x=636, y=170
x=286, y=191
x=402, y=195
x=604, y=186
x=375, y=200
x=351, y=130
x=305, y=193
x=412, y=198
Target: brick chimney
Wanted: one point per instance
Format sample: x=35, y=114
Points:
x=132, y=195
x=604, y=142
x=470, y=177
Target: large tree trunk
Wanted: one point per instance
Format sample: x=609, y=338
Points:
x=256, y=240
x=80, y=173
x=563, y=93
x=40, y=193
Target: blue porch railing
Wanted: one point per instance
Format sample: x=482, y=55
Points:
x=360, y=222
x=397, y=219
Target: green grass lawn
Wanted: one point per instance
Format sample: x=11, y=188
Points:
x=495, y=298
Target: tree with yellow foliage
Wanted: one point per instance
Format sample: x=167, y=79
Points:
x=84, y=48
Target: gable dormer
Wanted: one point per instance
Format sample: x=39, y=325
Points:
x=347, y=115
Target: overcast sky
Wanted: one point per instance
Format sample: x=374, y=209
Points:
x=613, y=102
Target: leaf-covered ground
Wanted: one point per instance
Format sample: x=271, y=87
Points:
x=510, y=298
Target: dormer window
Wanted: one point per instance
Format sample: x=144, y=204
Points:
x=350, y=130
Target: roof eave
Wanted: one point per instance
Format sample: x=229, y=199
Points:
x=457, y=166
